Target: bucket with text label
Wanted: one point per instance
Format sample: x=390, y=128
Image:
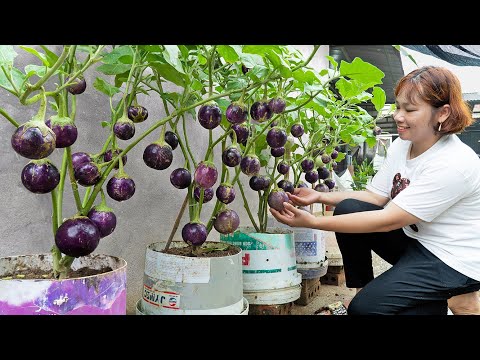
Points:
x=181, y=285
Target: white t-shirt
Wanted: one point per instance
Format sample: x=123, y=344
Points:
x=442, y=188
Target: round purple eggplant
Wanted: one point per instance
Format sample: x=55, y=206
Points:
x=311, y=176
x=124, y=129
x=205, y=174
x=137, y=113
x=323, y=173
x=158, y=156
x=226, y=221
x=277, y=152
x=307, y=164
x=242, y=132
x=301, y=184
x=194, y=233
x=33, y=140
x=276, y=137
x=297, y=130
x=120, y=187
x=260, y=111
x=231, y=156
x=283, y=167
x=104, y=219
x=77, y=236
x=334, y=154
x=40, y=176
x=225, y=193
x=277, y=105
x=245, y=69
x=80, y=158
x=108, y=157
x=330, y=183
x=209, y=116
x=250, y=165
x=326, y=158
x=236, y=113
x=77, y=86
x=276, y=198
x=87, y=174
x=334, y=165
x=180, y=178
x=258, y=183
x=207, y=194
x=286, y=185
x=322, y=187
x=65, y=131
x=171, y=139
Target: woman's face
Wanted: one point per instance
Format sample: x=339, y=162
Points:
x=415, y=121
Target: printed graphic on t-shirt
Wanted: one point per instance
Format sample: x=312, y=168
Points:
x=400, y=184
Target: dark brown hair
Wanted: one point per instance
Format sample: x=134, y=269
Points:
x=438, y=86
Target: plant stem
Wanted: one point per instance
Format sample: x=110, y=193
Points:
x=247, y=208
x=61, y=186
x=8, y=117
x=177, y=221
x=210, y=70
x=305, y=63
x=73, y=181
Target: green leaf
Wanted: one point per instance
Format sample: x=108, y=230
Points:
x=358, y=139
x=18, y=78
x=257, y=73
x=152, y=48
x=39, y=55
x=261, y=49
x=371, y=141
x=379, y=98
x=171, y=56
x=104, y=87
x=251, y=60
x=7, y=55
x=38, y=70
x=106, y=123
x=53, y=105
x=120, y=52
x=264, y=157
x=362, y=72
x=169, y=73
x=202, y=60
x=340, y=157
x=121, y=78
x=228, y=53
x=305, y=76
x=113, y=69
x=349, y=89
x=404, y=52
x=197, y=85
x=236, y=83
x=332, y=61
x=51, y=56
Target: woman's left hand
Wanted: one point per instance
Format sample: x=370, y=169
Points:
x=293, y=217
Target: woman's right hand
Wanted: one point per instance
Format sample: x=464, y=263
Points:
x=304, y=196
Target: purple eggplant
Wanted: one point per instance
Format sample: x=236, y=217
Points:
x=297, y=130
x=236, y=113
x=323, y=173
x=120, y=187
x=276, y=198
x=77, y=236
x=137, y=113
x=277, y=152
x=226, y=221
x=286, y=185
x=225, y=193
x=250, y=165
x=283, y=167
x=33, y=140
x=171, y=139
x=77, y=86
x=207, y=194
x=108, y=157
x=307, y=164
x=104, y=218
x=194, y=233
x=209, y=116
x=242, y=132
x=231, y=156
x=87, y=174
x=276, y=137
x=205, y=174
x=124, y=128
x=277, y=105
x=80, y=158
x=40, y=176
x=322, y=187
x=311, y=176
x=260, y=111
x=180, y=178
x=330, y=183
x=158, y=156
x=65, y=131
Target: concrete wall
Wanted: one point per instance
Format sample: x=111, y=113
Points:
x=145, y=218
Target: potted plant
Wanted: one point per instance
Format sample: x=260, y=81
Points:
x=321, y=116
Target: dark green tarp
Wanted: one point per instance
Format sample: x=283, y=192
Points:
x=461, y=55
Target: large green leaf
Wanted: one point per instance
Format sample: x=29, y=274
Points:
x=103, y=86
x=332, y=61
x=362, y=72
x=7, y=55
x=39, y=55
x=379, y=98
x=171, y=56
x=250, y=60
x=113, y=69
x=228, y=53
x=124, y=52
x=349, y=89
x=169, y=73
x=305, y=76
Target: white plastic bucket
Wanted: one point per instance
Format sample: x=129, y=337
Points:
x=269, y=265
x=178, y=285
x=245, y=307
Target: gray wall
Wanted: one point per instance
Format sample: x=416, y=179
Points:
x=145, y=218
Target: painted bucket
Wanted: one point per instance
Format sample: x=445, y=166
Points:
x=102, y=294
x=309, y=250
x=139, y=309
x=269, y=266
x=180, y=285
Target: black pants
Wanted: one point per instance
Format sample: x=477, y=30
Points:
x=417, y=283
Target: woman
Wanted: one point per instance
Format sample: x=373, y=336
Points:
x=421, y=212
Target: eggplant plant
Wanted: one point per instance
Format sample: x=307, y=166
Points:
x=250, y=101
